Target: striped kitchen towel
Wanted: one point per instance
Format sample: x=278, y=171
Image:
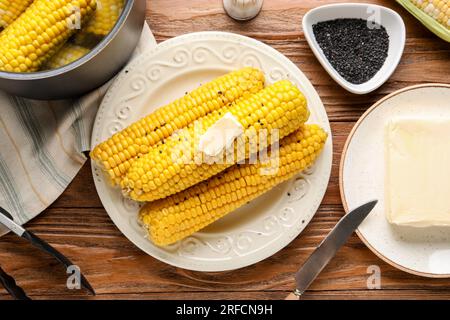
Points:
x=42, y=145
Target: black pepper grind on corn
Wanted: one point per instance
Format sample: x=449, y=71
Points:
x=356, y=51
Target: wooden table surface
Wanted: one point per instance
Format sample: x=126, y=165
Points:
x=78, y=225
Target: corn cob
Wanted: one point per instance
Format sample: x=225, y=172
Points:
x=179, y=216
x=10, y=10
x=434, y=14
x=117, y=154
x=102, y=22
x=160, y=172
x=66, y=55
x=40, y=31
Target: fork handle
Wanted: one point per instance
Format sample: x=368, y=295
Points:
x=11, y=286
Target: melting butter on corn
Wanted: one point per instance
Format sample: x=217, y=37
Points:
x=117, y=154
x=221, y=135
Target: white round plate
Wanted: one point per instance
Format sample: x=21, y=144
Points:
x=165, y=73
x=420, y=251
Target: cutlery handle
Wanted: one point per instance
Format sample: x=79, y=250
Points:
x=41, y=244
x=292, y=296
x=11, y=286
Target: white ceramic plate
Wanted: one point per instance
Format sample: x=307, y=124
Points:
x=165, y=73
x=421, y=251
x=388, y=18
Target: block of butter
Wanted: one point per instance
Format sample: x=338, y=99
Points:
x=417, y=177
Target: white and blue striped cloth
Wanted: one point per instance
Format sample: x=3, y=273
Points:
x=42, y=145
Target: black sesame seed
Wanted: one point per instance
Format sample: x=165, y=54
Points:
x=356, y=48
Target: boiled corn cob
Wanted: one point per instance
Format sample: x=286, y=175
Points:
x=179, y=216
x=102, y=22
x=161, y=172
x=66, y=55
x=117, y=154
x=28, y=42
x=434, y=14
x=105, y=17
x=10, y=10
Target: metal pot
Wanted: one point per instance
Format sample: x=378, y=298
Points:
x=91, y=71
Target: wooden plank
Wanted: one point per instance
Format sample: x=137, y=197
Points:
x=253, y=295
x=115, y=265
x=279, y=25
x=78, y=225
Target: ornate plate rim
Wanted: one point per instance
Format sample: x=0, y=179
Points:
x=282, y=241
x=341, y=178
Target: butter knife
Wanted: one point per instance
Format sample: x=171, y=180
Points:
x=8, y=221
x=328, y=248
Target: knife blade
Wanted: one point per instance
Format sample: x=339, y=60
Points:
x=328, y=248
x=11, y=286
x=7, y=220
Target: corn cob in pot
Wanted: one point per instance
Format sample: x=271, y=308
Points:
x=102, y=22
x=279, y=108
x=66, y=55
x=117, y=154
x=10, y=10
x=28, y=42
x=179, y=216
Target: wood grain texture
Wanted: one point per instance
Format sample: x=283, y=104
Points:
x=78, y=225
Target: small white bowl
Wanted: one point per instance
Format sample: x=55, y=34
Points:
x=388, y=18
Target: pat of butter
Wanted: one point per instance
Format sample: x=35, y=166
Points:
x=417, y=180
x=220, y=135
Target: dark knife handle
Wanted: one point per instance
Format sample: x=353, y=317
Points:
x=11, y=286
x=41, y=244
